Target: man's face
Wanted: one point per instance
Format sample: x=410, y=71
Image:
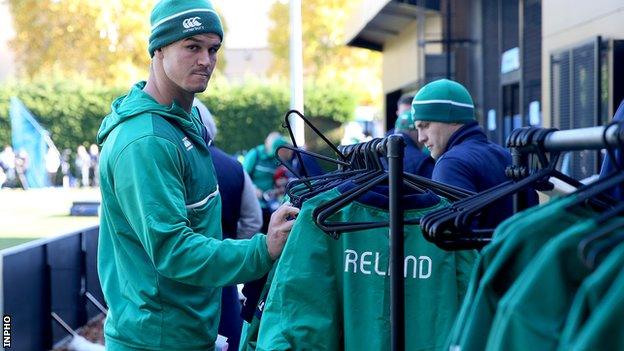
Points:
x=402, y=108
x=435, y=135
x=284, y=154
x=189, y=63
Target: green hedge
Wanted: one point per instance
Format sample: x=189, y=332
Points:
x=245, y=114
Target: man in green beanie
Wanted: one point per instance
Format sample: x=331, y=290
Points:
x=261, y=163
x=161, y=260
x=444, y=115
x=415, y=160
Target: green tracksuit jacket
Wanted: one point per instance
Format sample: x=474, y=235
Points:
x=161, y=259
x=261, y=164
x=590, y=296
x=515, y=243
x=334, y=294
x=603, y=329
x=532, y=313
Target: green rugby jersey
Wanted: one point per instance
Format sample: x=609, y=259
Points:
x=590, y=295
x=334, y=294
x=603, y=329
x=532, y=313
x=249, y=333
x=501, y=262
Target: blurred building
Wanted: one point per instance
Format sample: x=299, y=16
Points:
x=7, y=63
x=525, y=62
x=243, y=63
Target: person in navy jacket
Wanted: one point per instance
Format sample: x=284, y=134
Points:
x=608, y=167
x=415, y=160
x=443, y=112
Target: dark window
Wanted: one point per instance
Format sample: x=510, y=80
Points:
x=576, y=100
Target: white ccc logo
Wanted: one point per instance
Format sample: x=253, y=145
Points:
x=191, y=22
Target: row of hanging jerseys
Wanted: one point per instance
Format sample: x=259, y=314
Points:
x=549, y=279
x=328, y=294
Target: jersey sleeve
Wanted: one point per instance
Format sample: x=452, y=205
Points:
x=148, y=184
x=250, y=221
x=250, y=160
x=301, y=308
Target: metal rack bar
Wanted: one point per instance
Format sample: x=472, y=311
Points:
x=584, y=138
x=395, y=151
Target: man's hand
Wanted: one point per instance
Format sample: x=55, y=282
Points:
x=280, y=225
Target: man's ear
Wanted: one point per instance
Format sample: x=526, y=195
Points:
x=158, y=53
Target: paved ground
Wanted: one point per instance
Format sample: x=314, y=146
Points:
x=39, y=213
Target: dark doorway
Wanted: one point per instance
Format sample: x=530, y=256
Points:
x=391, y=107
x=512, y=118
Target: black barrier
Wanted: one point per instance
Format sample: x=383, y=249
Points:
x=45, y=276
x=65, y=266
x=92, y=280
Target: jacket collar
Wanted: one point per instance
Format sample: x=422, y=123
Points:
x=469, y=131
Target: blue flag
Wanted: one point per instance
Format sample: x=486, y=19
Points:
x=29, y=141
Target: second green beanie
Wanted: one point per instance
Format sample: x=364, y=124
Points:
x=443, y=101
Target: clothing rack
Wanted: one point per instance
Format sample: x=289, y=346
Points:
x=530, y=140
x=393, y=147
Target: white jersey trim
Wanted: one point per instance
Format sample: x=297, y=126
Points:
x=451, y=102
x=204, y=201
x=180, y=14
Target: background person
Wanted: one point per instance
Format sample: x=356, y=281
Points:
x=415, y=161
x=444, y=114
x=241, y=217
x=261, y=163
x=83, y=163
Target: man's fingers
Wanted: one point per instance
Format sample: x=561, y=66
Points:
x=291, y=213
x=285, y=213
x=286, y=226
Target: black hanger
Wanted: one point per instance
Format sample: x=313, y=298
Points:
x=591, y=247
x=454, y=227
x=358, y=169
x=287, y=125
x=322, y=212
x=602, y=240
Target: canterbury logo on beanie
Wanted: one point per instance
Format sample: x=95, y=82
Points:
x=174, y=20
x=191, y=22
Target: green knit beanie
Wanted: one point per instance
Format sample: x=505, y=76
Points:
x=174, y=20
x=405, y=121
x=280, y=141
x=443, y=101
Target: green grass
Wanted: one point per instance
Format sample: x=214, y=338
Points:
x=41, y=213
x=8, y=242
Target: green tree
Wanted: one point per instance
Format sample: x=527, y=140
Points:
x=104, y=41
x=326, y=58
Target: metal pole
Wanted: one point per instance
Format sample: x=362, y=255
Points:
x=420, y=33
x=448, y=39
x=583, y=139
x=296, y=70
x=395, y=148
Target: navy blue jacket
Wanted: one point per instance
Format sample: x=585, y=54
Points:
x=607, y=166
x=415, y=161
x=231, y=180
x=474, y=163
x=309, y=162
